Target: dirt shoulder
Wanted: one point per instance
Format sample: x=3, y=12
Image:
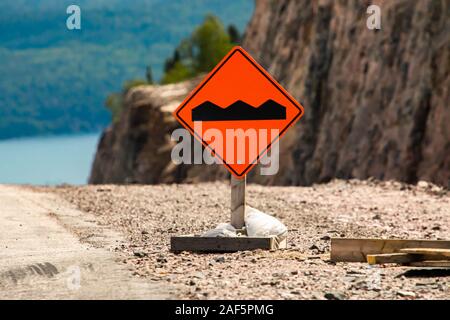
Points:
x=51, y=250
x=149, y=215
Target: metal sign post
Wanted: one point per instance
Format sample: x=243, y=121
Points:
x=238, y=202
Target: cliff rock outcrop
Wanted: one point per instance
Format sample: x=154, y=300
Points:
x=376, y=101
x=137, y=149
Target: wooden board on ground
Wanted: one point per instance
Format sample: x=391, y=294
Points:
x=210, y=244
x=401, y=258
x=441, y=253
x=430, y=264
x=389, y=258
x=356, y=250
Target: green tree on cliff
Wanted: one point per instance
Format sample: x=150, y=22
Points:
x=199, y=53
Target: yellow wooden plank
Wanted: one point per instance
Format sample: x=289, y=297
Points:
x=356, y=250
x=428, y=251
x=430, y=264
x=389, y=258
x=401, y=258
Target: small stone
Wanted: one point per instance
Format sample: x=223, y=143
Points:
x=436, y=228
x=354, y=272
x=314, y=247
x=294, y=272
x=286, y=295
x=220, y=259
x=424, y=283
x=406, y=294
x=144, y=232
x=326, y=238
x=199, y=275
x=422, y=184
x=161, y=260
x=192, y=283
x=349, y=279
x=334, y=296
x=436, y=189
x=139, y=254
x=278, y=275
x=376, y=217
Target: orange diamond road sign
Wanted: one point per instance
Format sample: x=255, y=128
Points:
x=238, y=111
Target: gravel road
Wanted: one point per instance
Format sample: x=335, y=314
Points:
x=149, y=215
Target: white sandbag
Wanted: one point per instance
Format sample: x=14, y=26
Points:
x=260, y=224
x=223, y=230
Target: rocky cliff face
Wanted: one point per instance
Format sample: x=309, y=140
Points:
x=137, y=149
x=376, y=101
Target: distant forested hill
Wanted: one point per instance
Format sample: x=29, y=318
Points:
x=53, y=80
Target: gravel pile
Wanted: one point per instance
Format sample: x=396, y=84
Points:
x=149, y=215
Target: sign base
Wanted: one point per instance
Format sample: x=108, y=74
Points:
x=220, y=244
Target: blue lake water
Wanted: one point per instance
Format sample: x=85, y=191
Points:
x=48, y=160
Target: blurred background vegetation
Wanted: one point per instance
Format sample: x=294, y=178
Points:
x=54, y=81
x=200, y=52
x=196, y=54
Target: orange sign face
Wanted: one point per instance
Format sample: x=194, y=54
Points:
x=238, y=112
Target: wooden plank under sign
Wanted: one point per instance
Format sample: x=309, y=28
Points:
x=217, y=244
x=356, y=250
